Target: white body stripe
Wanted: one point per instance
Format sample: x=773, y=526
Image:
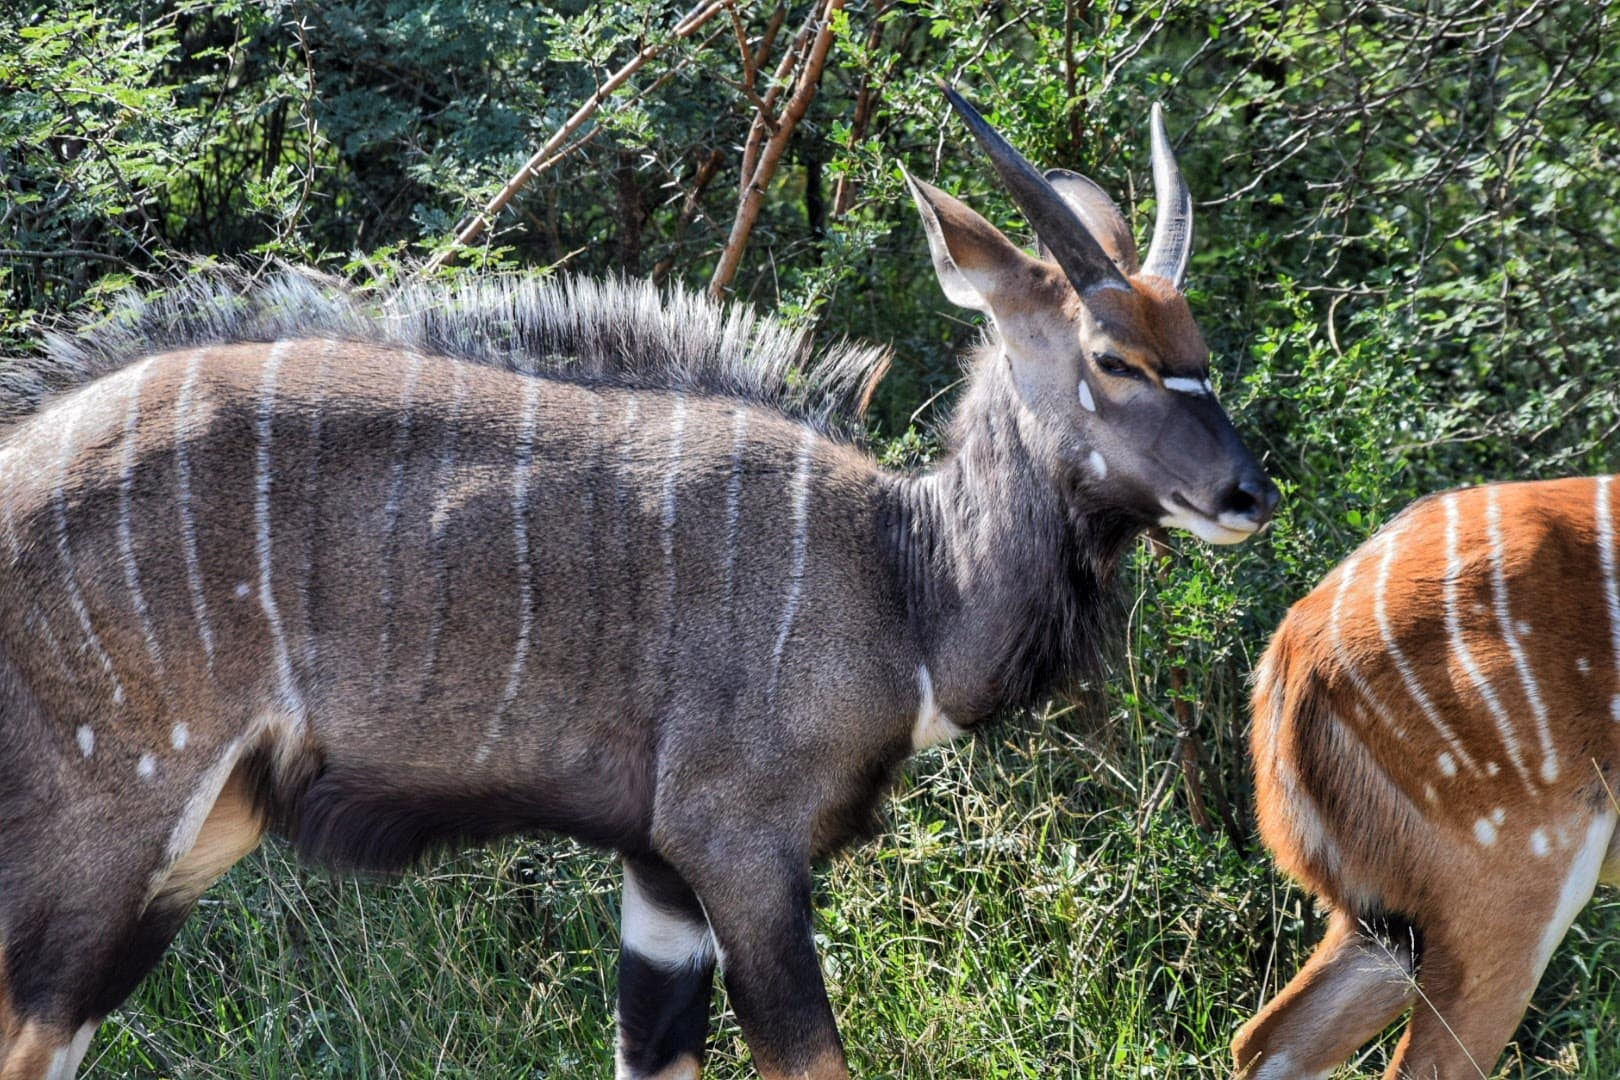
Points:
x=126, y=533
x=672, y=471
x=734, y=486
x=291, y=700
x=1511, y=631
x=1347, y=664
x=441, y=516
x=391, y=507
x=525, y=570
x=663, y=938
x=64, y=550
x=188, y=523
x=800, y=497
x=1611, y=585
x=1465, y=655
x=1402, y=664
x=312, y=487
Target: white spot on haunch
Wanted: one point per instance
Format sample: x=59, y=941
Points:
x=1087, y=402
x=1098, y=465
x=179, y=735
x=1524, y=628
x=1498, y=816
x=1492, y=768
x=1583, y=665
x=242, y=589
x=1448, y=764
x=932, y=725
x=1484, y=832
x=1539, y=847
x=87, y=740
x=146, y=767
x=1429, y=793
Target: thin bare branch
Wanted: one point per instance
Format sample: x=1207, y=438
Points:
x=547, y=155
x=756, y=181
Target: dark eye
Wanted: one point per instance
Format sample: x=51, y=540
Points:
x=1114, y=365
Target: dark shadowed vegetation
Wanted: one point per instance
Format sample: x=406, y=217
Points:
x=1408, y=268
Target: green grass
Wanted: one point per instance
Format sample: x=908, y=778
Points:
x=1025, y=913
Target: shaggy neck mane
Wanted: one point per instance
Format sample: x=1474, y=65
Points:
x=1009, y=571
x=602, y=332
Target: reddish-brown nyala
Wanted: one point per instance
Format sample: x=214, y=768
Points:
x=576, y=558
x=1435, y=735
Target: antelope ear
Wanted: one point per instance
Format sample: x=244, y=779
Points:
x=971, y=257
x=1099, y=215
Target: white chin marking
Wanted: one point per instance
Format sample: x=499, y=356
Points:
x=1206, y=529
x=1087, y=402
x=1099, y=466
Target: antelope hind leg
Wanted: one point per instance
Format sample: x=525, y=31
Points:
x=1479, y=968
x=76, y=947
x=1356, y=982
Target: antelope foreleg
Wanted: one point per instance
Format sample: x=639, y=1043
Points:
x=666, y=976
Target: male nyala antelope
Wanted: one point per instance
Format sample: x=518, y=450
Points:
x=557, y=557
x=1435, y=737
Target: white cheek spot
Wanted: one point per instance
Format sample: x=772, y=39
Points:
x=241, y=590
x=179, y=735
x=1484, y=832
x=1448, y=764
x=146, y=767
x=87, y=740
x=1498, y=816
x=1099, y=466
x=1087, y=402
x=1539, y=847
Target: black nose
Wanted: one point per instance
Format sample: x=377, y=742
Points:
x=1254, y=498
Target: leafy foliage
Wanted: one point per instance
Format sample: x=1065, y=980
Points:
x=1406, y=268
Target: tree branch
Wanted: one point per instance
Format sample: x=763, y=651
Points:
x=546, y=155
x=756, y=180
